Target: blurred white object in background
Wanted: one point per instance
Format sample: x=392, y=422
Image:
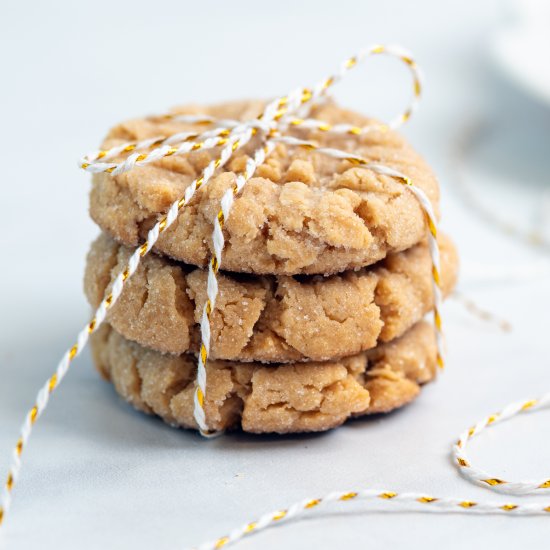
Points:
x=521, y=46
x=499, y=158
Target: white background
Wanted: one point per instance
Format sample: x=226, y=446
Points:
x=99, y=475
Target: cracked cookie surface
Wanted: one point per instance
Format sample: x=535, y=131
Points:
x=268, y=318
x=258, y=398
x=302, y=213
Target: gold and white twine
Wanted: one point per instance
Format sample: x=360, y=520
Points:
x=410, y=501
x=228, y=136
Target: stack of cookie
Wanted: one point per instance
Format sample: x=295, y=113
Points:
x=325, y=281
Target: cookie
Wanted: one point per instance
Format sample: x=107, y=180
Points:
x=302, y=213
x=268, y=318
x=301, y=397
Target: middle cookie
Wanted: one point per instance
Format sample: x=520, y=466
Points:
x=268, y=318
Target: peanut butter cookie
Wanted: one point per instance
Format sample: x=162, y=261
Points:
x=301, y=397
x=302, y=212
x=268, y=318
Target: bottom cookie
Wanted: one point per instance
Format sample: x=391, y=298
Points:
x=259, y=398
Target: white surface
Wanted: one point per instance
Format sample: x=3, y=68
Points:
x=96, y=473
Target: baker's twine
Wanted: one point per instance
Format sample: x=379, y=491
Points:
x=421, y=502
x=228, y=136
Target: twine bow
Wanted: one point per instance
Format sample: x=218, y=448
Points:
x=229, y=136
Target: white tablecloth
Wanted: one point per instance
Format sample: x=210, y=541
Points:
x=96, y=473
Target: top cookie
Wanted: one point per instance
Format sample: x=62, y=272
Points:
x=302, y=213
